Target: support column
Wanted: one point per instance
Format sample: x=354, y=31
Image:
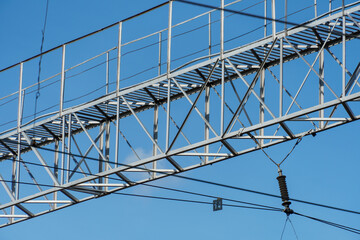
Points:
x=207, y=99
x=222, y=68
x=262, y=109
x=107, y=149
x=62, y=84
x=155, y=136
x=156, y=112
x=207, y=117
x=56, y=165
x=209, y=35
x=68, y=149
x=273, y=17
x=101, y=148
x=62, y=150
x=321, y=86
x=117, y=94
x=343, y=49
x=107, y=74
x=281, y=91
x=168, y=68
x=265, y=18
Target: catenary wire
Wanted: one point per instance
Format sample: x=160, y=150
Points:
x=146, y=184
x=153, y=186
x=197, y=180
x=102, y=193
x=293, y=228
x=283, y=230
x=350, y=229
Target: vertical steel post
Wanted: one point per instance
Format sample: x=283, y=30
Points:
x=209, y=35
x=265, y=18
x=330, y=7
x=207, y=117
x=281, y=77
x=62, y=85
x=273, y=18
x=101, y=148
x=156, y=113
x=117, y=94
x=285, y=26
x=207, y=100
x=168, y=75
x=117, y=131
x=107, y=74
x=321, y=86
x=62, y=150
x=168, y=60
x=155, y=136
x=343, y=49
x=16, y=165
x=68, y=148
x=262, y=97
x=118, y=59
x=168, y=116
x=315, y=8
x=262, y=77
x=222, y=68
x=56, y=165
x=160, y=52
x=107, y=149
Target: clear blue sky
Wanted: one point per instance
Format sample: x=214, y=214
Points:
x=322, y=169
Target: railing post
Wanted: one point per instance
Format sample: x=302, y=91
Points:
x=265, y=18
x=62, y=86
x=343, y=49
x=68, y=148
x=168, y=67
x=281, y=77
x=222, y=68
x=117, y=94
x=16, y=163
x=273, y=17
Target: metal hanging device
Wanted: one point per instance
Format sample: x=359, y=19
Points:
x=284, y=193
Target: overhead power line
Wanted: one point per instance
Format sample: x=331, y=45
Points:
x=189, y=178
x=146, y=184
x=346, y=228
x=102, y=193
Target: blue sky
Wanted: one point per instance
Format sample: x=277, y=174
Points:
x=322, y=169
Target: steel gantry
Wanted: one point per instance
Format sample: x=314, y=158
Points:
x=225, y=103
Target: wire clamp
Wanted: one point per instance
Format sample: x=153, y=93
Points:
x=217, y=204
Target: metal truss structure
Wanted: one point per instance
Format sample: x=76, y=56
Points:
x=208, y=110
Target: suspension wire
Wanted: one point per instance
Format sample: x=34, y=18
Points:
x=190, y=179
x=288, y=154
x=346, y=228
x=292, y=226
x=40, y=60
x=257, y=142
x=283, y=230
